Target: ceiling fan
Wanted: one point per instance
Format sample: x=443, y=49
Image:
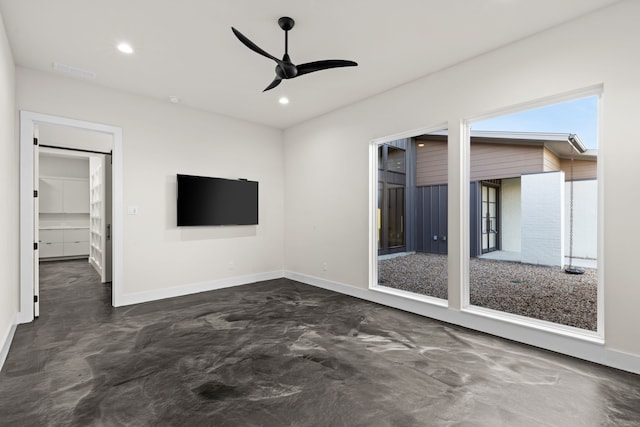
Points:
x=285, y=69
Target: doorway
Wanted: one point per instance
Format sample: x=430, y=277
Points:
x=59, y=128
x=74, y=202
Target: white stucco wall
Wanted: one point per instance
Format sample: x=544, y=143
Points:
x=585, y=236
x=585, y=219
x=510, y=215
x=542, y=218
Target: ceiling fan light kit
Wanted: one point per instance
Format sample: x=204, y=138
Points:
x=285, y=68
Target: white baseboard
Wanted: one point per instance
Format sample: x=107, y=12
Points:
x=194, y=288
x=585, y=348
x=5, y=341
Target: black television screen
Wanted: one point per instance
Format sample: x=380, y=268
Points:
x=216, y=201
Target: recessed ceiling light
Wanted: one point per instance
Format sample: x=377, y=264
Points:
x=174, y=99
x=125, y=48
x=283, y=100
x=421, y=144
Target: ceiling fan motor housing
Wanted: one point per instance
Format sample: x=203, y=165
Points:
x=286, y=70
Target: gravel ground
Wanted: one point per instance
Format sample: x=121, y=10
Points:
x=545, y=293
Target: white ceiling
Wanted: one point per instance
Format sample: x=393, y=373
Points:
x=186, y=48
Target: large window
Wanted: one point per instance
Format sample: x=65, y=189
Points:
x=412, y=215
x=532, y=206
x=534, y=182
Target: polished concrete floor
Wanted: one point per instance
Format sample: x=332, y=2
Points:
x=280, y=353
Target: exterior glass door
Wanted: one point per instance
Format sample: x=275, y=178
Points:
x=395, y=215
x=489, y=218
x=391, y=199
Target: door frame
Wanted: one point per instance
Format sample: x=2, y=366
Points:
x=28, y=121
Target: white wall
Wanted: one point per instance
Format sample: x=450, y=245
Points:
x=585, y=239
x=160, y=140
x=9, y=219
x=510, y=214
x=61, y=136
x=585, y=218
x=542, y=220
x=67, y=167
x=327, y=209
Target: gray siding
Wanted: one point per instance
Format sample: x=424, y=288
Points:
x=582, y=169
x=551, y=162
x=488, y=161
x=495, y=161
x=431, y=163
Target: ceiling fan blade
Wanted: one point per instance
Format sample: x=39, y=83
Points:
x=251, y=45
x=310, y=67
x=273, y=84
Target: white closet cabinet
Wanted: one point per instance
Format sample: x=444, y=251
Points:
x=64, y=242
x=50, y=195
x=51, y=243
x=76, y=196
x=64, y=195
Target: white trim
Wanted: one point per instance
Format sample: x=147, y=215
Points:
x=6, y=340
x=575, y=345
x=410, y=134
x=27, y=122
x=595, y=90
x=542, y=325
x=194, y=288
x=410, y=295
x=373, y=212
x=601, y=177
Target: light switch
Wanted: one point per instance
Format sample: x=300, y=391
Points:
x=132, y=210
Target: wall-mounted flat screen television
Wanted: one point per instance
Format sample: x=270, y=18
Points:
x=216, y=201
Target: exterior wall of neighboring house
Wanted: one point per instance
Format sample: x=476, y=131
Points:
x=488, y=161
x=582, y=169
x=550, y=162
x=510, y=212
x=542, y=219
x=431, y=162
x=491, y=160
x=585, y=241
x=496, y=161
x=585, y=218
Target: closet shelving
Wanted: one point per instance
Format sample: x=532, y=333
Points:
x=96, y=215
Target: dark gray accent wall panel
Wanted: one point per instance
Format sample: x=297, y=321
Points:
x=431, y=227
x=432, y=219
